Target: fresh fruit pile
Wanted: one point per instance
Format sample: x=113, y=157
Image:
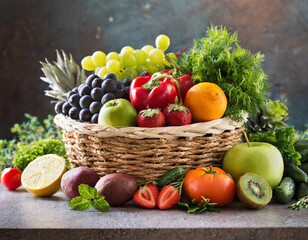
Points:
x=150, y=79
x=130, y=62
x=84, y=102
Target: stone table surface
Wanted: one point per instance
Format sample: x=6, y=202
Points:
x=24, y=216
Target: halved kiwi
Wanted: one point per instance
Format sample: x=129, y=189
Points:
x=253, y=191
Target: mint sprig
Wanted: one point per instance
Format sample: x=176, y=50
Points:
x=88, y=198
x=79, y=203
x=194, y=207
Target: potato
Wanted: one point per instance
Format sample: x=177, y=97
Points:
x=73, y=178
x=118, y=188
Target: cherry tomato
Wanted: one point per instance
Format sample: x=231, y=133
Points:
x=11, y=178
x=212, y=183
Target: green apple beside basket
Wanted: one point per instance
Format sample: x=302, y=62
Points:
x=147, y=153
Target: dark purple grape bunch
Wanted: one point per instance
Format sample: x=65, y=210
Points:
x=84, y=103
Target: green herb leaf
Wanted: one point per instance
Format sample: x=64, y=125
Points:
x=194, y=207
x=87, y=192
x=79, y=203
x=101, y=204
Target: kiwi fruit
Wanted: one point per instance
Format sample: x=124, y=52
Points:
x=253, y=191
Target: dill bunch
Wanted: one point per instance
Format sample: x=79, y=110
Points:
x=219, y=59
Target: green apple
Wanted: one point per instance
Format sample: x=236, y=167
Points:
x=260, y=158
x=118, y=113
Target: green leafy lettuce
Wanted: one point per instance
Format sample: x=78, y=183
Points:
x=25, y=154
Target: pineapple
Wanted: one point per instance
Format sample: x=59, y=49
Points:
x=62, y=76
x=271, y=117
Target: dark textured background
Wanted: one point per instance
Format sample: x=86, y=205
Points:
x=31, y=30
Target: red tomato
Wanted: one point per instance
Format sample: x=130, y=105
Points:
x=11, y=178
x=213, y=183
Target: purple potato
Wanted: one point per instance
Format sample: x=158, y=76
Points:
x=117, y=188
x=73, y=178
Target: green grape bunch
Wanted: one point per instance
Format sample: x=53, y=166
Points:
x=130, y=62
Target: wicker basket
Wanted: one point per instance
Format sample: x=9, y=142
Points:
x=147, y=153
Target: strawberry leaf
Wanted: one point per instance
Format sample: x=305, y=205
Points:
x=178, y=107
x=150, y=112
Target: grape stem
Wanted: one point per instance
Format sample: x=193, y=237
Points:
x=177, y=69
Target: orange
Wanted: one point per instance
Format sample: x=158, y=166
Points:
x=206, y=101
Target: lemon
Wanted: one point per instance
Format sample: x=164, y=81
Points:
x=42, y=177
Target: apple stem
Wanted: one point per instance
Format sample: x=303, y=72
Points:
x=246, y=138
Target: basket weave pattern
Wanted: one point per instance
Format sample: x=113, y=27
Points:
x=145, y=159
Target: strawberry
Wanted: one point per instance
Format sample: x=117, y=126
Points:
x=146, y=196
x=177, y=115
x=168, y=197
x=151, y=118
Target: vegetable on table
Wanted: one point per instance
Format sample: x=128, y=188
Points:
x=11, y=178
x=285, y=191
x=117, y=188
x=209, y=182
x=301, y=203
x=293, y=171
x=76, y=176
x=156, y=91
x=173, y=177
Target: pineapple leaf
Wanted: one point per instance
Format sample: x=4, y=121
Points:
x=62, y=75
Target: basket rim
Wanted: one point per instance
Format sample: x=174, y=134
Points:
x=169, y=132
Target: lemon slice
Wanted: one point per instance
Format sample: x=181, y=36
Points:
x=42, y=177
